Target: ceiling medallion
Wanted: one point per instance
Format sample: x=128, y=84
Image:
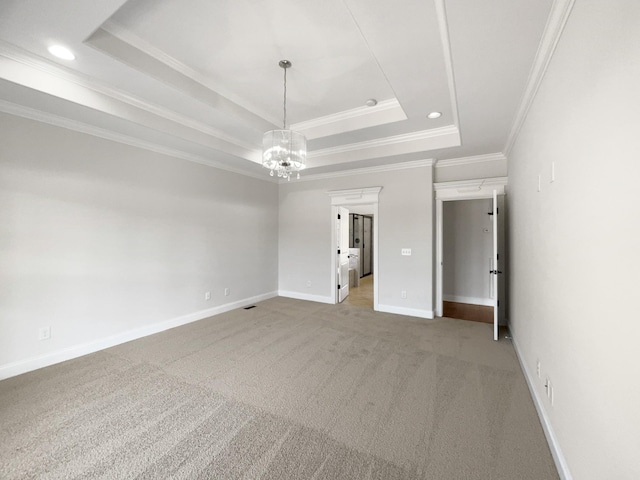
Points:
x=284, y=151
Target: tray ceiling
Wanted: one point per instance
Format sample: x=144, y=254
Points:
x=200, y=79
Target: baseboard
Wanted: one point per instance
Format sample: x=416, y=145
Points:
x=23, y=366
x=305, y=296
x=554, y=446
x=470, y=300
x=411, y=312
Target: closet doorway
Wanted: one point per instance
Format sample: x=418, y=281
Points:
x=487, y=188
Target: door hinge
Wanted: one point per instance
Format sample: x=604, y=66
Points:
x=338, y=216
x=497, y=256
x=494, y=272
x=498, y=302
x=338, y=286
x=338, y=251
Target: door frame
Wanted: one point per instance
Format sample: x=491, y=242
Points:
x=461, y=190
x=343, y=198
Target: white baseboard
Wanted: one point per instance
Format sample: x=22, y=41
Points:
x=305, y=296
x=554, y=446
x=411, y=312
x=23, y=366
x=470, y=300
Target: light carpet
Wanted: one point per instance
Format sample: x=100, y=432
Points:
x=287, y=390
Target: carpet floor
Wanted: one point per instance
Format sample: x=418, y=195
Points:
x=287, y=390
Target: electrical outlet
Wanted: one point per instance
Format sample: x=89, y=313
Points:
x=308, y=283
x=207, y=295
x=539, y=182
x=44, y=333
x=553, y=172
x=403, y=294
x=538, y=368
x=227, y=292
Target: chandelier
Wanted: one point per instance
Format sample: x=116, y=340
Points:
x=284, y=151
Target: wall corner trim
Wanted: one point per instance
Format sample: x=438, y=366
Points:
x=554, y=445
x=29, y=364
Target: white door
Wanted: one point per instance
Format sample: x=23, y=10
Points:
x=497, y=265
x=343, y=253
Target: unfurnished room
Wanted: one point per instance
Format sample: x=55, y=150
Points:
x=343, y=239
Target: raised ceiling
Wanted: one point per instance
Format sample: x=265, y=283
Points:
x=200, y=80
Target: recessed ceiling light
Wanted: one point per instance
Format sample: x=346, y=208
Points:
x=433, y=115
x=372, y=102
x=61, y=52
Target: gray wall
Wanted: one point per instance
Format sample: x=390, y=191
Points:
x=98, y=239
x=467, y=251
x=574, y=246
x=405, y=220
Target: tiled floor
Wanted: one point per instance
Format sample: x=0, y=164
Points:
x=361, y=296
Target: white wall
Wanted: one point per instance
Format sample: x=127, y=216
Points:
x=575, y=246
x=467, y=251
x=405, y=220
x=98, y=239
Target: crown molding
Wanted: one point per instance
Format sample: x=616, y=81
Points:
x=365, y=170
x=81, y=127
x=557, y=20
x=131, y=39
x=65, y=74
x=386, y=141
x=441, y=12
x=386, y=111
x=383, y=105
x=489, y=157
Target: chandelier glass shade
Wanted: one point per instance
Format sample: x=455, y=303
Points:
x=284, y=152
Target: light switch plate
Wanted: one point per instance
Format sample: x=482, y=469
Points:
x=406, y=251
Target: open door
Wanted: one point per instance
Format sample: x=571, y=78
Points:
x=342, y=231
x=498, y=229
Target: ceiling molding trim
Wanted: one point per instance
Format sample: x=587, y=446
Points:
x=386, y=111
x=383, y=105
x=489, y=157
x=81, y=127
x=364, y=170
x=13, y=53
x=387, y=141
x=448, y=59
x=556, y=22
x=185, y=71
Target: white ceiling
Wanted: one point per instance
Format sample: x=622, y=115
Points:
x=199, y=79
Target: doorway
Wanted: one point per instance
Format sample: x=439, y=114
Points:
x=361, y=239
x=467, y=233
x=355, y=199
x=361, y=256
x=488, y=188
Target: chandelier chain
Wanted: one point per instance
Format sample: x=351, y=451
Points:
x=284, y=121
